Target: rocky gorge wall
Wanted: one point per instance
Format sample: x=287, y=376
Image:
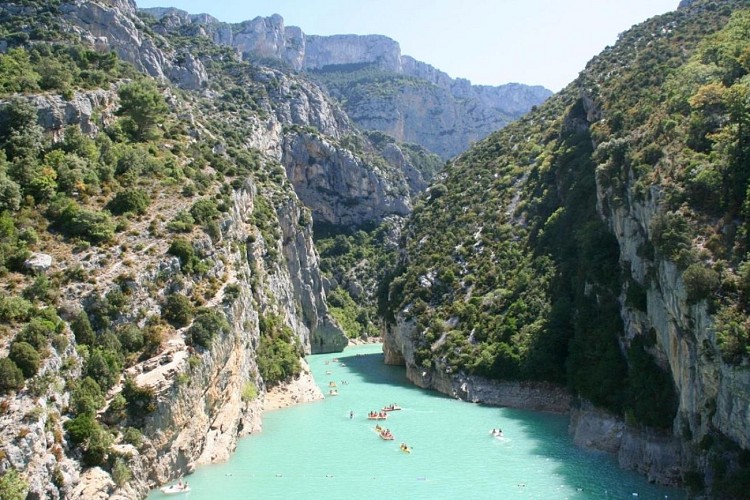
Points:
x=200, y=407
x=204, y=399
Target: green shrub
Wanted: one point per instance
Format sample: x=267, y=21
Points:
x=42, y=290
x=231, y=293
x=10, y=194
x=14, y=309
x=249, y=392
x=13, y=486
x=87, y=397
x=37, y=333
x=670, y=234
x=133, y=436
x=11, y=376
x=26, y=358
x=97, y=447
x=121, y=472
x=205, y=327
x=178, y=310
x=104, y=367
x=129, y=200
x=189, y=260
x=278, y=352
x=74, y=221
x=130, y=337
x=732, y=334
x=183, y=222
x=700, y=282
x=140, y=400
x=81, y=427
x=204, y=211
x=82, y=329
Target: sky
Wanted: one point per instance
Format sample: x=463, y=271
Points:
x=490, y=42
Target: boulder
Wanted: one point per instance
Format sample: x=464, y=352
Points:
x=38, y=262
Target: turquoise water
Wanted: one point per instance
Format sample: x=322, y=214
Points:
x=316, y=451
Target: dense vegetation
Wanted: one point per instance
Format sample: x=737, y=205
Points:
x=511, y=270
x=529, y=285
x=357, y=266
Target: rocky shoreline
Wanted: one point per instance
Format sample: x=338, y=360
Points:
x=301, y=389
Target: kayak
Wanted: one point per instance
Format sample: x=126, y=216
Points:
x=175, y=489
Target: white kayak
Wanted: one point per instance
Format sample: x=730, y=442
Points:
x=174, y=489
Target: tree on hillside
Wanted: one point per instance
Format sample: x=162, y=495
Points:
x=143, y=107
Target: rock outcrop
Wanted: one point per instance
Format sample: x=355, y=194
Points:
x=89, y=110
x=657, y=455
x=114, y=25
x=712, y=394
x=340, y=188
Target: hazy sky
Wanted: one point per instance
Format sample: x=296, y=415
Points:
x=490, y=42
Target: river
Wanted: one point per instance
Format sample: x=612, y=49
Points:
x=321, y=451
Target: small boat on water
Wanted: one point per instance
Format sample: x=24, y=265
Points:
x=333, y=392
x=332, y=384
x=496, y=433
x=405, y=448
x=175, y=489
x=392, y=407
x=386, y=435
x=374, y=415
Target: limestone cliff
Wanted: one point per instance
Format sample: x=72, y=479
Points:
x=443, y=114
x=321, y=173
x=113, y=25
x=200, y=395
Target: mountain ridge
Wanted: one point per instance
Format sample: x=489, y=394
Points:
x=465, y=105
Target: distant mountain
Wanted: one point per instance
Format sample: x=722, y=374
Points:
x=379, y=88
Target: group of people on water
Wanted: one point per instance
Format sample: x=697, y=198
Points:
x=385, y=433
x=377, y=414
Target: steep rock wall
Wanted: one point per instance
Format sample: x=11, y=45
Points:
x=711, y=393
x=200, y=411
x=340, y=188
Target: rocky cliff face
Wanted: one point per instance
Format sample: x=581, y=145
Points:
x=291, y=104
x=200, y=411
x=113, y=25
x=321, y=173
x=712, y=394
x=442, y=114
